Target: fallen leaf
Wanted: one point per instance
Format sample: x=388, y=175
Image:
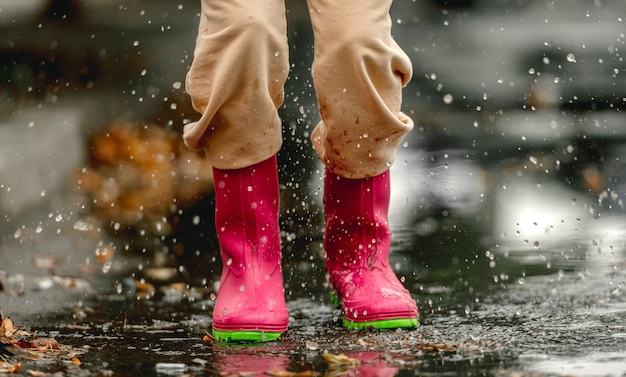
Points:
x=10, y=368
x=24, y=344
x=144, y=290
x=45, y=343
x=160, y=273
x=7, y=329
x=340, y=359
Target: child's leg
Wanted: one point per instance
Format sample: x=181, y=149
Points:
x=359, y=72
x=236, y=81
x=356, y=240
x=250, y=303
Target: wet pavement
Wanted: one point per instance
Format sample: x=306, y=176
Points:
x=507, y=213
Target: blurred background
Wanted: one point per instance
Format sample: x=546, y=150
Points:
x=509, y=97
x=515, y=167
x=517, y=150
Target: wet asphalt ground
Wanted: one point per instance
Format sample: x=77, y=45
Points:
x=507, y=214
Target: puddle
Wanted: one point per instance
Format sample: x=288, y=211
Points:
x=593, y=364
x=507, y=216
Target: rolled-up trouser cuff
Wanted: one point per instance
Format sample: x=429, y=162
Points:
x=359, y=72
x=236, y=81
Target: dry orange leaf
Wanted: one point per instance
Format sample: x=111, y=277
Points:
x=145, y=290
x=340, y=359
x=7, y=329
x=10, y=368
x=36, y=373
x=45, y=343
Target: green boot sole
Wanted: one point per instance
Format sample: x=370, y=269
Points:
x=394, y=323
x=244, y=336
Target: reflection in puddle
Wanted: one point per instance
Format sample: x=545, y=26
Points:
x=607, y=364
x=540, y=222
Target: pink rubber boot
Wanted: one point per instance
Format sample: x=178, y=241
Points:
x=250, y=303
x=357, y=241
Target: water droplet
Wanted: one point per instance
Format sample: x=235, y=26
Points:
x=448, y=98
x=571, y=58
x=312, y=345
x=81, y=226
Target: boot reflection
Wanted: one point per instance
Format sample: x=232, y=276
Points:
x=249, y=362
x=371, y=365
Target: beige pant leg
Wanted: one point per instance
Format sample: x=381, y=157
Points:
x=236, y=81
x=359, y=72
